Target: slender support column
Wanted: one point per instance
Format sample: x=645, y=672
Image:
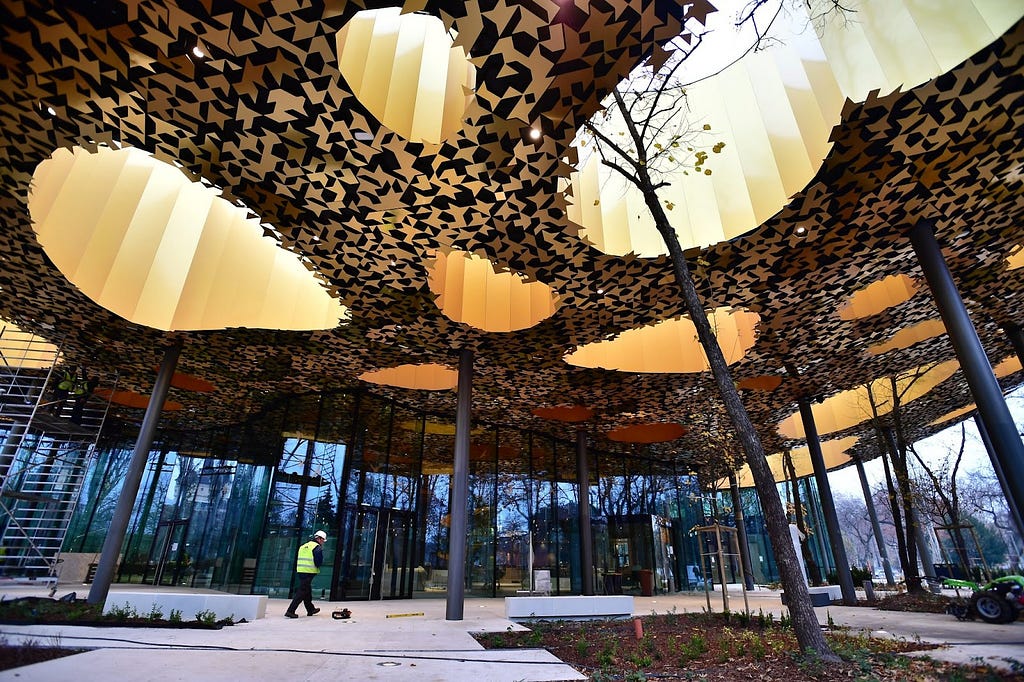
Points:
x=586, y=537
x=459, y=512
x=133, y=477
x=828, y=505
x=875, y=526
x=10, y=450
x=1015, y=517
x=1013, y=332
x=924, y=548
x=741, y=532
x=1007, y=447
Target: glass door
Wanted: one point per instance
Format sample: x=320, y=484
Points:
x=168, y=559
x=359, y=571
x=380, y=559
x=394, y=557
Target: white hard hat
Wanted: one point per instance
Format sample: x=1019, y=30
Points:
x=320, y=535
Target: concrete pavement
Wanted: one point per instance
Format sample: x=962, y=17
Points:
x=420, y=648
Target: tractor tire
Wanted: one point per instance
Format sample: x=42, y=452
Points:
x=992, y=607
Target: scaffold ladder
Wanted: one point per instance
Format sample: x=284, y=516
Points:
x=46, y=445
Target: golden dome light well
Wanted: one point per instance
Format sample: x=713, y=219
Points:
x=424, y=377
x=143, y=241
x=24, y=350
x=670, y=346
x=655, y=432
x=832, y=451
x=405, y=69
x=878, y=296
x=908, y=336
x=470, y=290
x=564, y=413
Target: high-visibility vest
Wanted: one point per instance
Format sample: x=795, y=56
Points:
x=67, y=381
x=305, y=563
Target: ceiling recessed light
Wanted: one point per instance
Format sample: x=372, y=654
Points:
x=50, y=110
x=362, y=135
x=534, y=134
x=198, y=53
x=800, y=231
x=600, y=291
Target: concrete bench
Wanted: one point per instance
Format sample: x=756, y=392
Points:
x=569, y=607
x=822, y=596
x=237, y=606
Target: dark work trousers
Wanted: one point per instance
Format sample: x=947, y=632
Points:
x=304, y=593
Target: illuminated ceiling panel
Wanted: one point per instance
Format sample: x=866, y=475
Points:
x=406, y=71
x=471, y=291
x=670, y=346
x=878, y=296
x=426, y=377
x=564, y=413
x=24, y=350
x=908, y=336
x=1016, y=259
x=833, y=453
x=134, y=400
x=853, y=407
x=1009, y=365
x=765, y=382
x=141, y=240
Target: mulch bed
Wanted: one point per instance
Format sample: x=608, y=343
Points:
x=714, y=648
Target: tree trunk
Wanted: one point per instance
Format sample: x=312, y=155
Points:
x=897, y=520
x=805, y=622
x=899, y=466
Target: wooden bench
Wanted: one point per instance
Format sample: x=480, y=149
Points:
x=236, y=606
x=573, y=607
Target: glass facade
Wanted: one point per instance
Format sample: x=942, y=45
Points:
x=228, y=509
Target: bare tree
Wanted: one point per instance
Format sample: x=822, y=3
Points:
x=943, y=496
x=982, y=498
x=858, y=535
x=893, y=443
x=650, y=107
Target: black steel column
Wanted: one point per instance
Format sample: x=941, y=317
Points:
x=828, y=505
x=583, y=512
x=875, y=526
x=1015, y=517
x=133, y=477
x=459, y=514
x=1007, y=447
x=1016, y=337
x=741, y=532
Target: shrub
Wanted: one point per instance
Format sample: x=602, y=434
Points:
x=860, y=575
x=123, y=612
x=206, y=617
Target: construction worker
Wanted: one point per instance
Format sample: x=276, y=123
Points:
x=66, y=382
x=84, y=386
x=307, y=565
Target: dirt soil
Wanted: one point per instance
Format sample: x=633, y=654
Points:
x=17, y=656
x=709, y=647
